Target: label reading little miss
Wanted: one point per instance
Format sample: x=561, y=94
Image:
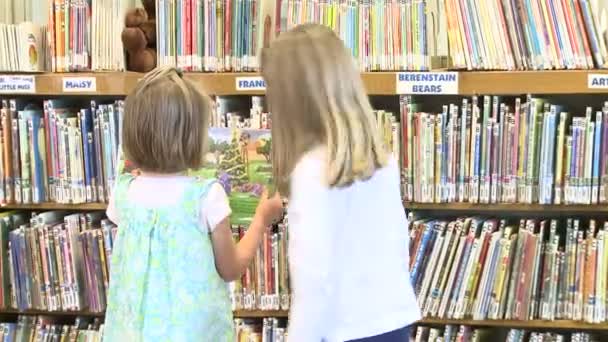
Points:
x=250, y=83
x=428, y=83
x=79, y=84
x=17, y=84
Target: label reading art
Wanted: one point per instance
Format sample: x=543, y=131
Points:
x=429, y=83
x=250, y=83
x=79, y=84
x=17, y=84
x=597, y=81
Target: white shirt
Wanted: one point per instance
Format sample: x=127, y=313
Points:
x=163, y=191
x=348, y=255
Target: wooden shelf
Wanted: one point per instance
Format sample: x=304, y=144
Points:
x=506, y=208
x=508, y=324
x=55, y=206
x=527, y=82
x=260, y=313
x=237, y=314
x=376, y=83
x=51, y=313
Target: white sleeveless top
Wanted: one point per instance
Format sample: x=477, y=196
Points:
x=348, y=255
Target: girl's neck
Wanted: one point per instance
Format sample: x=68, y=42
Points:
x=156, y=174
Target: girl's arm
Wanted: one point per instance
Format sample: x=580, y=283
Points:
x=232, y=259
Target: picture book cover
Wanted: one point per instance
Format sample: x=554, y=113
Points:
x=240, y=160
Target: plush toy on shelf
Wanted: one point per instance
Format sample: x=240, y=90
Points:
x=139, y=37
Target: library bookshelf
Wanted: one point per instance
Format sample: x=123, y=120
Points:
x=376, y=83
x=503, y=83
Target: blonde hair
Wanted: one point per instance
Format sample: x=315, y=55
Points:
x=316, y=97
x=165, y=123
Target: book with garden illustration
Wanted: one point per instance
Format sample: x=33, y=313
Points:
x=240, y=160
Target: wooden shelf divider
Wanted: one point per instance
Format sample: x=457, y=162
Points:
x=516, y=324
x=507, y=207
x=376, y=83
x=55, y=206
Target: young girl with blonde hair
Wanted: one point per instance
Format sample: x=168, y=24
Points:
x=174, y=252
x=348, y=247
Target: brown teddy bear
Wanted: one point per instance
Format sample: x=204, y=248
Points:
x=139, y=37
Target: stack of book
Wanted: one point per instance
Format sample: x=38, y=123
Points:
x=228, y=114
x=499, y=269
x=463, y=333
x=524, y=34
x=227, y=35
x=271, y=330
x=64, y=152
x=87, y=35
x=382, y=35
x=43, y=328
x=55, y=261
x=265, y=283
x=213, y=36
x=488, y=150
x=23, y=47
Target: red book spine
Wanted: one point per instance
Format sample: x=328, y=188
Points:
x=187, y=4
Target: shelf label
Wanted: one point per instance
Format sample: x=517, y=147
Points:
x=429, y=83
x=597, y=81
x=79, y=84
x=250, y=83
x=16, y=84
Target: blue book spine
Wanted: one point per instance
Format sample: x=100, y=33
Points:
x=85, y=127
x=38, y=158
x=16, y=286
x=591, y=32
x=426, y=235
x=596, y=159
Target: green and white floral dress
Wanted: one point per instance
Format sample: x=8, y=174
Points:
x=163, y=282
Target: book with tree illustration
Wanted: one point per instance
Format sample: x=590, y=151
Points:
x=240, y=160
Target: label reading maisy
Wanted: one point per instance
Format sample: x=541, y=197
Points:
x=597, y=81
x=250, y=83
x=79, y=84
x=17, y=84
x=429, y=83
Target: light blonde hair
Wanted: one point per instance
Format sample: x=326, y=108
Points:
x=316, y=97
x=165, y=123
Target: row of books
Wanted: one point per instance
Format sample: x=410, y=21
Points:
x=270, y=330
x=22, y=47
x=500, y=269
x=55, y=261
x=527, y=34
x=227, y=35
x=210, y=36
x=382, y=35
x=87, y=35
x=46, y=329
x=265, y=283
x=463, y=333
x=62, y=152
x=488, y=150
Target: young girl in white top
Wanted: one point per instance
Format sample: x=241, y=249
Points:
x=348, y=247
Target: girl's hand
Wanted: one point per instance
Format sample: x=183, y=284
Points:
x=270, y=210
